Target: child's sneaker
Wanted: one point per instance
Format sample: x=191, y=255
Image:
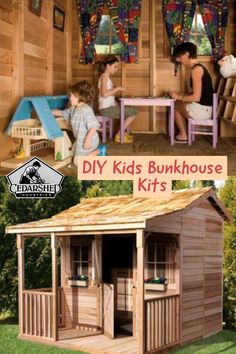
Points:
x=102, y=150
x=128, y=139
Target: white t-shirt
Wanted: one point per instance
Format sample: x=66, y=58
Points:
x=105, y=102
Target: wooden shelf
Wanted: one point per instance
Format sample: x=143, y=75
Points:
x=228, y=120
x=227, y=100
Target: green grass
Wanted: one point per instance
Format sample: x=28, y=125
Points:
x=224, y=342
x=221, y=343
x=9, y=344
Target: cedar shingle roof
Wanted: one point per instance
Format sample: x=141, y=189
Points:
x=120, y=210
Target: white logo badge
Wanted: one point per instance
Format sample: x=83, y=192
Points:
x=35, y=179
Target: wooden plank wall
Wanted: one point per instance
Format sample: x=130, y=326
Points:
x=154, y=74
x=202, y=251
x=35, y=58
x=82, y=306
x=6, y=67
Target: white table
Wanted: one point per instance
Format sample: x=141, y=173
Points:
x=148, y=101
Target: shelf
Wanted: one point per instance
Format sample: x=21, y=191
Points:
x=228, y=98
x=228, y=120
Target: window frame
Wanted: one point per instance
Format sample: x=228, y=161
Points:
x=81, y=262
x=167, y=264
x=205, y=57
x=101, y=55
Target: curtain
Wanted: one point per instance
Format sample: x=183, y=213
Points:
x=178, y=16
x=90, y=13
x=125, y=15
x=215, y=14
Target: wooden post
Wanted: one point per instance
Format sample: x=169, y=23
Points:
x=18, y=52
x=153, y=81
x=21, y=280
x=54, y=288
x=49, y=46
x=140, y=290
x=70, y=8
x=97, y=260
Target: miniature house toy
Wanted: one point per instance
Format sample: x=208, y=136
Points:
x=139, y=274
x=39, y=133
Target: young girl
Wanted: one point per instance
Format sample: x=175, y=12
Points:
x=107, y=104
x=82, y=120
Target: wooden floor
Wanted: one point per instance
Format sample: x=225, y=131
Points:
x=158, y=145
x=100, y=344
x=77, y=340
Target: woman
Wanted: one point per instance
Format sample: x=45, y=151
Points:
x=198, y=104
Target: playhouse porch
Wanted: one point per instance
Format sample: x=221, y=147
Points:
x=161, y=329
x=81, y=317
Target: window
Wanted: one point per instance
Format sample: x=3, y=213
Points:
x=161, y=261
x=107, y=41
x=198, y=36
x=80, y=260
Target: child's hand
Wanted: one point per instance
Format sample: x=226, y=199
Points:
x=120, y=88
x=57, y=112
x=87, y=144
x=174, y=95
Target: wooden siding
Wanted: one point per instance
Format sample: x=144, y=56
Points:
x=34, y=58
x=154, y=74
x=202, y=253
x=82, y=306
x=6, y=72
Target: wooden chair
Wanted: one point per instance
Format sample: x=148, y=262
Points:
x=107, y=126
x=194, y=125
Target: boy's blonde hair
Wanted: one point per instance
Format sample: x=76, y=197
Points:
x=84, y=91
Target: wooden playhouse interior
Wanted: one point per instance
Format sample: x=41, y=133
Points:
x=117, y=244
x=38, y=59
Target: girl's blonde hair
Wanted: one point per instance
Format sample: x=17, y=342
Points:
x=84, y=91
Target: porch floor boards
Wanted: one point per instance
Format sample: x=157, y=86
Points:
x=99, y=343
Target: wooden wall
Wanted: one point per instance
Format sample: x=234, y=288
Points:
x=202, y=260
x=82, y=306
x=35, y=58
x=154, y=74
x=201, y=254
x=6, y=74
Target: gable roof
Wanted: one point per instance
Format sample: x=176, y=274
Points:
x=126, y=212
x=42, y=106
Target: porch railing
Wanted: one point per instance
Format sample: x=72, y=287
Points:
x=161, y=322
x=37, y=312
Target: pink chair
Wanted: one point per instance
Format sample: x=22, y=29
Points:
x=107, y=125
x=194, y=125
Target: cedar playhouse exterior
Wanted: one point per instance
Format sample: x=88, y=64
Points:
x=117, y=242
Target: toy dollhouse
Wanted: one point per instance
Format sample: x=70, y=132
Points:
x=138, y=274
x=43, y=132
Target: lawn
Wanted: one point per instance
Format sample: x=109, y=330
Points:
x=221, y=343
x=9, y=344
x=224, y=342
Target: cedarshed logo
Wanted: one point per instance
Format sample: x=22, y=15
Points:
x=35, y=179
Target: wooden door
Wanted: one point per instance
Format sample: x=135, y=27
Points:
x=108, y=310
